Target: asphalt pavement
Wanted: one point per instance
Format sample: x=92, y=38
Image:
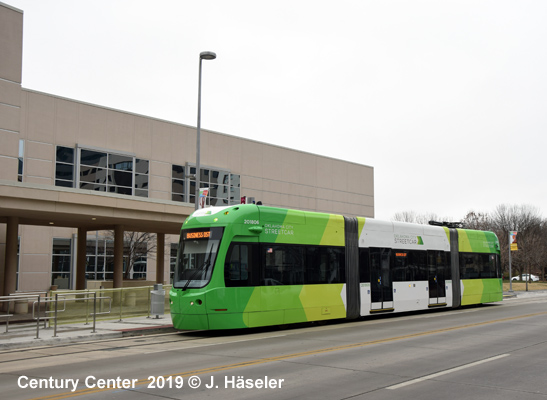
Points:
x=25, y=335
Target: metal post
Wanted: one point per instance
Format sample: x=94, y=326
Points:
x=94, y=311
x=528, y=277
x=55, y=321
x=121, y=301
x=87, y=308
x=149, y=302
x=38, y=320
x=205, y=55
x=510, y=273
x=198, y=139
x=7, y=318
x=101, y=301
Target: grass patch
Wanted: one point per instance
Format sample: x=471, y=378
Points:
x=521, y=286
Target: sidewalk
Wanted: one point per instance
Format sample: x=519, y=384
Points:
x=21, y=337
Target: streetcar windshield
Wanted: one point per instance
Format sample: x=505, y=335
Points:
x=196, y=257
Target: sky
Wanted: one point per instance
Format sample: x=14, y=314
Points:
x=447, y=99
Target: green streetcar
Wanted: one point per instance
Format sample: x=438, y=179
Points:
x=250, y=266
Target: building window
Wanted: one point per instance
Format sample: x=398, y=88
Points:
x=102, y=171
x=100, y=256
x=21, y=159
x=178, y=188
x=139, y=268
x=64, y=167
x=235, y=191
x=224, y=187
x=142, y=168
x=61, y=263
x=99, y=259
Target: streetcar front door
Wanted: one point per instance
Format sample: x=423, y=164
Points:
x=436, y=262
x=381, y=283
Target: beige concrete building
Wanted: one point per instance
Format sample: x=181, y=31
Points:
x=75, y=176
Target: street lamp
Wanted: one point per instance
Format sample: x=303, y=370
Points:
x=204, y=55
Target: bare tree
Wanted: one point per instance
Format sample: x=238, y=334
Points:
x=534, y=244
x=416, y=218
x=477, y=220
x=527, y=221
x=137, y=245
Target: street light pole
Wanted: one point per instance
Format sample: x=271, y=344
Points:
x=205, y=55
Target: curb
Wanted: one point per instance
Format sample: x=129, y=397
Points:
x=31, y=342
x=58, y=341
x=147, y=331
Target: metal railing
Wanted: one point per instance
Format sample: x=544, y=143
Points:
x=126, y=302
x=77, y=297
x=52, y=314
x=64, y=307
x=21, y=299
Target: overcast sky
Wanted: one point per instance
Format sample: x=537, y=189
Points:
x=447, y=100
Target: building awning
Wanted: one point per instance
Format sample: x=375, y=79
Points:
x=46, y=205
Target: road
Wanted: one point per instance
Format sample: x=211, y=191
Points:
x=493, y=351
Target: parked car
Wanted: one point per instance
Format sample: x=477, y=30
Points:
x=533, y=278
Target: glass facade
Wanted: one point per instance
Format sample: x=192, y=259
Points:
x=100, y=259
x=21, y=160
x=224, y=187
x=114, y=173
x=101, y=171
x=61, y=263
x=178, y=187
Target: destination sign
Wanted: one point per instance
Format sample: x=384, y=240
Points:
x=197, y=235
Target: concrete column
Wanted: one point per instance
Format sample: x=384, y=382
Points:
x=160, y=257
x=81, y=250
x=10, y=265
x=118, y=256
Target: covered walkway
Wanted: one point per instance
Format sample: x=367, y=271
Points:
x=44, y=205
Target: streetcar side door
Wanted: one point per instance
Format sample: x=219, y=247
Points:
x=381, y=282
x=436, y=265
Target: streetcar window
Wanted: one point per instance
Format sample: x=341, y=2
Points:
x=283, y=265
x=400, y=266
x=240, y=265
x=301, y=264
x=196, y=257
x=498, y=265
x=439, y=264
x=410, y=265
x=325, y=265
x=479, y=266
x=417, y=266
x=364, y=265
